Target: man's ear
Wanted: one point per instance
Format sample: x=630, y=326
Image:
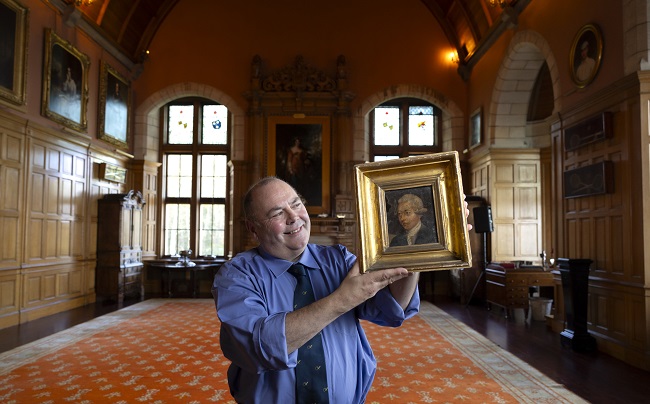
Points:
x=250, y=226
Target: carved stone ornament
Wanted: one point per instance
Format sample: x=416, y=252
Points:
x=298, y=78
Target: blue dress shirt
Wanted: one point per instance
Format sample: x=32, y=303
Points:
x=254, y=292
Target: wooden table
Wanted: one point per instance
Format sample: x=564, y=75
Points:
x=508, y=287
x=178, y=273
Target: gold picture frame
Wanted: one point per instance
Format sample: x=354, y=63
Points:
x=114, y=106
x=13, y=51
x=436, y=180
x=586, y=55
x=65, y=83
x=305, y=140
x=112, y=173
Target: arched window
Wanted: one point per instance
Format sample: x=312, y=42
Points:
x=404, y=127
x=195, y=156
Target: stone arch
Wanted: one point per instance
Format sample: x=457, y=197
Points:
x=147, y=118
x=507, y=123
x=452, y=136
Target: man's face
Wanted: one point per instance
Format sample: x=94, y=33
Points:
x=407, y=216
x=280, y=221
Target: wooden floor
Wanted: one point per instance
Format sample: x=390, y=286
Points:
x=596, y=377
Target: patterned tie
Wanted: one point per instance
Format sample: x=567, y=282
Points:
x=311, y=375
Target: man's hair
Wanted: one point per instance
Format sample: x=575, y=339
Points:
x=248, y=197
x=415, y=201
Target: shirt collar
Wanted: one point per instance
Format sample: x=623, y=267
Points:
x=279, y=266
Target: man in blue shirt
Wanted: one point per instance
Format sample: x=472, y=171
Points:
x=260, y=331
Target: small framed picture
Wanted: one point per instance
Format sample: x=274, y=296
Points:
x=412, y=214
x=65, y=83
x=586, y=54
x=114, y=106
x=475, y=129
x=13, y=51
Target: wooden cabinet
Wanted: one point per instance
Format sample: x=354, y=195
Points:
x=509, y=287
x=119, y=247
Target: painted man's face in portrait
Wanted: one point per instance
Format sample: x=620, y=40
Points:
x=407, y=216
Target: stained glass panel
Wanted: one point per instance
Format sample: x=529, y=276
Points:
x=215, y=124
x=387, y=126
x=181, y=124
x=421, y=126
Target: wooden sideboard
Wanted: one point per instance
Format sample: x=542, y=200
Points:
x=508, y=287
x=119, y=247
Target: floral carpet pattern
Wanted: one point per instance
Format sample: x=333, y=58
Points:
x=166, y=351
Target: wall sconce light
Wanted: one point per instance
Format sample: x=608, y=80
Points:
x=79, y=3
x=500, y=3
x=453, y=57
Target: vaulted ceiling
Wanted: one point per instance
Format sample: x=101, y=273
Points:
x=471, y=26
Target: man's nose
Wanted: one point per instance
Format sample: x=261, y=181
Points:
x=292, y=215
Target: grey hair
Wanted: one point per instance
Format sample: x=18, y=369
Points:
x=415, y=201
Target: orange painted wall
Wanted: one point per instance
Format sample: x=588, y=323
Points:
x=217, y=45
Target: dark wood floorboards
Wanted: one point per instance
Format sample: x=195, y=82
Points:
x=596, y=377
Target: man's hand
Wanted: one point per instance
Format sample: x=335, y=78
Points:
x=356, y=288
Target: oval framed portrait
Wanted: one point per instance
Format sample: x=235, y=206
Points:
x=586, y=55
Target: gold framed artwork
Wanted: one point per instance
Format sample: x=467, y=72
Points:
x=586, y=55
x=13, y=51
x=65, y=83
x=475, y=129
x=298, y=151
x=112, y=173
x=114, y=106
x=412, y=214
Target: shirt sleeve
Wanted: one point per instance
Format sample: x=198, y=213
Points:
x=251, y=336
x=384, y=310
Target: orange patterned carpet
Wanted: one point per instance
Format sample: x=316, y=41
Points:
x=166, y=351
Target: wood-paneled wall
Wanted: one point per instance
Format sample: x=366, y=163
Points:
x=510, y=180
x=48, y=218
x=597, y=227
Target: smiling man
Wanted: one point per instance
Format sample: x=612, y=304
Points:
x=261, y=331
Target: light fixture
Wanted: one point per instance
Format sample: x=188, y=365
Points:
x=500, y=3
x=453, y=56
x=83, y=2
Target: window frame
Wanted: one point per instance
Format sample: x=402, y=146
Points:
x=403, y=149
x=196, y=149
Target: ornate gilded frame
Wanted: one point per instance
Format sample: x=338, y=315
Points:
x=440, y=174
x=590, y=37
x=14, y=53
x=114, y=106
x=62, y=103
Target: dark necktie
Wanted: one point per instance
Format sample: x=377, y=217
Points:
x=311, y=375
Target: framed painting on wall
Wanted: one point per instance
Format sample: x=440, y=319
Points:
x=586, y=54
x=475, y=129
x=412, y=214
x=65, y=83
x=298, y=151
x=114, y=106
x=13, y=51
